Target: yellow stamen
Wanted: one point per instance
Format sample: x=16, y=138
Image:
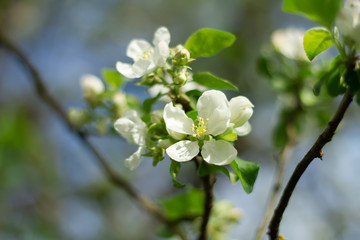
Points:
x=199, y=127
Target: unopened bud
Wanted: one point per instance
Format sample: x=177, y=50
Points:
x=77, y=117
x=92, y=87
x=182, y=56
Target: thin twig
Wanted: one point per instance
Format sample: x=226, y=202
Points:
x=113, y=176
x=314, y=152
x=208, y=183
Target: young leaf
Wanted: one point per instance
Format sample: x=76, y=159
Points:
x=316, y=40
x=112, y=78
x=187, y=205
x=207, y=42
x=321, y=11
x=148, y=103
x=208, y=80
x=174, y=171
x=206, y=169
x=247, y=172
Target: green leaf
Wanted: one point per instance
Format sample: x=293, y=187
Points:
x=207, y=42
x=192, y=114
x=186, y=205
x=352, y=80
x=247, y=172
x=333, y=84
x=112, y=78
x=321, y=11
x=206, y=169
x=174, y=171
x=148, y=103
x=208, y=80
x=316, y=40
x=336, y=63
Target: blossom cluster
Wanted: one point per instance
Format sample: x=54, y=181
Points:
x=209, y=133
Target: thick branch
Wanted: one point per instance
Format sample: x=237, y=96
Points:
x=115, y=178
x=314, y=152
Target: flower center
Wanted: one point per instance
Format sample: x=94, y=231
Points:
x=146, y=54
x=199, y=127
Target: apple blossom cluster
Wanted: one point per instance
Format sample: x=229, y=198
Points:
x=197, y=123
x=203, y=124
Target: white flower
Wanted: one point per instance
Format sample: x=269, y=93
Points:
x=213, y=119
x=133, y=129
x=241, y=111
x=92, y=86
x=289, y=42
x=348, y=20
x=146, y=57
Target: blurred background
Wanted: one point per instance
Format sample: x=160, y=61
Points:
x=52, y=188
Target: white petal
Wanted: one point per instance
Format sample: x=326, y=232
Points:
x=131, y=127
x=176, y=120
x=161, y=54
x=183, y=151
x=126, y=70
x=218, y=152
x=137, y=48
x=161, y=34
x=92, y=83
x=142, y=67
x=134, y=160
x=243, y=130
x=241, y=110
x=214, y=106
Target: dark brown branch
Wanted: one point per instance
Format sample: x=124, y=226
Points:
x=115, y=178
x=314, y=152
x=208, y=183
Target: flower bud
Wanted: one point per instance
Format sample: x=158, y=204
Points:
x=92, y=87
x=182, y=55
x=120, y=103
x=77, y=117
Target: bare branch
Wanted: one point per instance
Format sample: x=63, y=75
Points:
x=113, y=176
x=314, y=152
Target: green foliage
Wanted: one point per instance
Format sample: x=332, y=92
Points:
x=186, y=205
x=148, y=103
x=247, y=172
x=207, y=42
x=192, y=114
x=321, y=11
x=112, y=78
x=174, y=171
x=316, y=40
x=352, y=79
x=208, y=80
x=206, y=169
